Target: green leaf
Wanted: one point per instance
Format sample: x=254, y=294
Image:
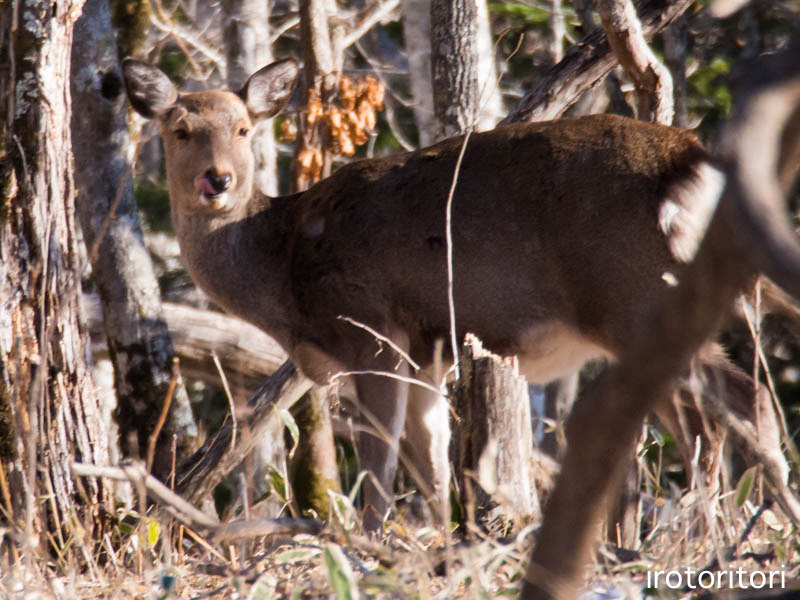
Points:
x=529, y=15
x=343, y=510
x=278, y=483
x=297, y=555
x=745, y=485
x=356, y=487
x=294, y=430
x=263, y=588
x=340, y=573
x=153, y=531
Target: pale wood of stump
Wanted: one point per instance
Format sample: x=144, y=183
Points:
x=494, y=439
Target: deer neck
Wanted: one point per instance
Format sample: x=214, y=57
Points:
x=239, y=259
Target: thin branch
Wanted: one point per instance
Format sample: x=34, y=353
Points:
x=372, y=16
x=136, y=473
x=403, y=378
x=383, y=338
x=449, y=232
x=283, y=28
x=151, y=446
x=229, y=396
x=182, y=34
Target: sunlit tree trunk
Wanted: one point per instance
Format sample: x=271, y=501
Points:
x=247, y=47
x=454, y=63
x=51, y=416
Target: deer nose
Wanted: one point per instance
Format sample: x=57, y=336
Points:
x=218, y=182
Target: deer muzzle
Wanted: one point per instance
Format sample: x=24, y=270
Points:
x=213, y=187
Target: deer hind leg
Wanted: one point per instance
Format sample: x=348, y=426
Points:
x=425, y=443
x=382, y=401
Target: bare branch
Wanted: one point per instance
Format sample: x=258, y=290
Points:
x=586, y=64
x=201, y=472
x=172, y=502
x=651, y=78
x=378, y=12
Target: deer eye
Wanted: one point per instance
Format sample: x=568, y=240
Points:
x=243, y=131
x=181, y=134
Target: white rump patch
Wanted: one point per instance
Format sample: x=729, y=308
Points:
x=687, y=210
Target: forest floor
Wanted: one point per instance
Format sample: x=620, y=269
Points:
x=749, y=545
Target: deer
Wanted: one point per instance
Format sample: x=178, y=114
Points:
x=565, y=235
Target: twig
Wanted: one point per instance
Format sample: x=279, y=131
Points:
x=179, y=33
x=162, y=418
x=375, y=14
x=231, y=403
x=411, y=380
x=383, y=338
x=135, y=473
x=773, y=392
x=250, y=528
x=449, y=232
x=283, y=28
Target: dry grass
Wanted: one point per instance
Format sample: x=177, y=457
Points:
x=159, y=559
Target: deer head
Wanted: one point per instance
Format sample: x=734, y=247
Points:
x=206, y=135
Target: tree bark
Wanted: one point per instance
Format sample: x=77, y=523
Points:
x=247, y=48
x=45, y=385
x=199, y=474
x=322, y=68
x=558, y=31
x=138, y=341
x=417, y=39
x=454, y=65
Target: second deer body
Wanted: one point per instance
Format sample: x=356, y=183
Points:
x=565, y=235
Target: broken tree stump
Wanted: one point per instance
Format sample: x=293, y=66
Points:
x=492, y=447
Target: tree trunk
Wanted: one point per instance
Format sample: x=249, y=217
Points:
x=247, y=355
x=45, y=386
x=138, y=341
x=246, y=33
x=454, y=65
x=650, y=77
x=322, y=67
x=490, y=100
x=322, y=60
x=417, y=39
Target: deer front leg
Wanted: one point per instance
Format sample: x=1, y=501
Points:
x=382, y=401
x=426, y=444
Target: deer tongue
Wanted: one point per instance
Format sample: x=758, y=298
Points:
x=206, y=188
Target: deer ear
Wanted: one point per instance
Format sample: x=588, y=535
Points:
x=149, y=90
x=269, y=89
